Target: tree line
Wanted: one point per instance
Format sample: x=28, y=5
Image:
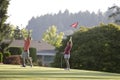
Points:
x=63, y=21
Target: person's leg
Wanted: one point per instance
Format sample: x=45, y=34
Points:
x=29, y=59
x=23, y=59
x=67, y=61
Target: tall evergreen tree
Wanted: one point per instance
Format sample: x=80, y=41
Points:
x=5, y=29
x=115, y=14
x=3, y=16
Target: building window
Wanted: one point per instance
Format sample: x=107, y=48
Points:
x=48, y=58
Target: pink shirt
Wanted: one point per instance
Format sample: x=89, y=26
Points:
x=67, y=49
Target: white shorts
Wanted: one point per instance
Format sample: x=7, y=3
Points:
x=67, y=56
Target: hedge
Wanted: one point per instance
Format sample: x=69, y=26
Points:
x=33, y=54
x=15, y=50
x=19, y=50
x=5, y=55
x=13, y=59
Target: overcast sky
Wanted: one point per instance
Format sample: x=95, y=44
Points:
x=21, y=11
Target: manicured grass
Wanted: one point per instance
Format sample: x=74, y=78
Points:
x=16, y=72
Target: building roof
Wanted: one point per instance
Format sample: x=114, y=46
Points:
x=41, y=46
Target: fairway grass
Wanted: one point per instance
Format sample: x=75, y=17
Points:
x=16, y=72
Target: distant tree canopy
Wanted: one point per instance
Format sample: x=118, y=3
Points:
x=96, y=48
x=115, y=15
x=63, y=20
x=52, y=37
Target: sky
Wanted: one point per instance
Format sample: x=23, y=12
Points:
x=21, y=11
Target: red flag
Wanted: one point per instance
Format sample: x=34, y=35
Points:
x=74, y=25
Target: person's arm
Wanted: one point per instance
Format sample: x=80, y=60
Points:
x=28, y=41
x=65, y=49
x=70, y=39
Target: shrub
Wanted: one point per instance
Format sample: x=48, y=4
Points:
x=33, y=54
x=5, y=55
x=98, y=48
x=15, y=50
x=18, y=51
x=58, y=61
x=14, y=59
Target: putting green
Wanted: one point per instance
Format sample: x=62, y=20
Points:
x=16, y=72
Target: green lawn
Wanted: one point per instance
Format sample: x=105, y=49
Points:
x=16, y=72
